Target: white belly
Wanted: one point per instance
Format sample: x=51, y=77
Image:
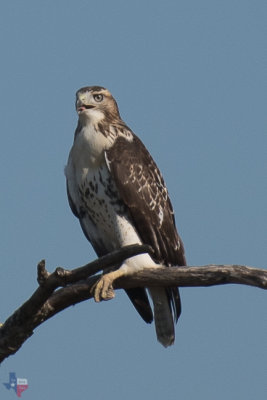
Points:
x=102, y=214
x=106, y=219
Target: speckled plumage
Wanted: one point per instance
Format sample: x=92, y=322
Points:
x=117, y=192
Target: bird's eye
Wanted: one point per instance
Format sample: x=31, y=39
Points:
x=98, y=97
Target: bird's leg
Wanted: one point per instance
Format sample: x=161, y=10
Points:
x=103, y=289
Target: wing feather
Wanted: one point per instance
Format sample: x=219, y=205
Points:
x=142, y=188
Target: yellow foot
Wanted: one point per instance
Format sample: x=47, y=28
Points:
x=103, y=289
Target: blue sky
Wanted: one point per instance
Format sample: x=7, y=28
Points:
x=190, y=79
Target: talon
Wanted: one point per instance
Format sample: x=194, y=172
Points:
x=103, y=289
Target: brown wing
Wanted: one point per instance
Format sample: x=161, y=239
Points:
x=143, y=190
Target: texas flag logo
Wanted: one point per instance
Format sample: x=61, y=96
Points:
x=18, y=384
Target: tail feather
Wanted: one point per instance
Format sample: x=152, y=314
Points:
x=163, y=316
x=140, y=301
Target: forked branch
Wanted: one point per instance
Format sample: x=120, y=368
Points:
x=64, y=288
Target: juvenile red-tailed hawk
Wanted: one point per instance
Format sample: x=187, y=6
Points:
x=118, y=193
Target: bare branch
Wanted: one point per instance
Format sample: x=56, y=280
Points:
x=76, y=284
x=39, y=307
x=206, y=275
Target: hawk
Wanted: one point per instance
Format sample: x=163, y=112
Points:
x=118, y=194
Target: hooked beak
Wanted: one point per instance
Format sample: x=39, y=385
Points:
x=80, y=106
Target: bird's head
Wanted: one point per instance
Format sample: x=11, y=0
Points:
x=95, y=103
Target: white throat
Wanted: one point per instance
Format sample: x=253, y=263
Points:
x=89, y=146
x=91, y=116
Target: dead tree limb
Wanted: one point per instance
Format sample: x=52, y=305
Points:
x=75, y=286
x=206, y=275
